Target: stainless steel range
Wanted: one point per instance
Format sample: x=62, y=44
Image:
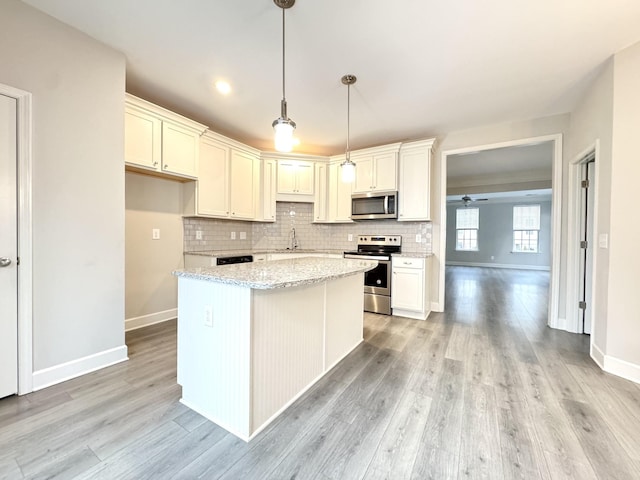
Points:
x=377, y=282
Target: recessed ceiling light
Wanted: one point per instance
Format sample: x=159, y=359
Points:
x=223, y=87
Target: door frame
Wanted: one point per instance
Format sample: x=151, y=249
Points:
x=573, y=323
x=25, y=249
x=556, y=216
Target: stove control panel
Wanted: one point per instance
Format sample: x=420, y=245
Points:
x=395, y=240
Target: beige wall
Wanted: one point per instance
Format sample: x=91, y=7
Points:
x=593, y=120
x=78, y=182
x=623, y=336
x=151, y=290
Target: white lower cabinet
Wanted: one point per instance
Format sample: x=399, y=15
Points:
x=410, y=287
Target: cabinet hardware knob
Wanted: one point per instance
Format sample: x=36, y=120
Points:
x=166, y=166
x=155, y=164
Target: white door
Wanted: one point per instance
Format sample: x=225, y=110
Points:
x=8, y=250
x=587, y=244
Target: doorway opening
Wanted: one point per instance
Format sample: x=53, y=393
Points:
x=556, y=195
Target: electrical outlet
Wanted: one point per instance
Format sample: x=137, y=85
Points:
x=155, y=234
x=492, y=257
x=233, y=235
x=208, y=316
x=243, y=235
x=351, y=237
x=198, y=234
x=418, y=238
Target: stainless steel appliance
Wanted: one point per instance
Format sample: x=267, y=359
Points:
x=234, y=259
x=374, y=205
x=377, y=282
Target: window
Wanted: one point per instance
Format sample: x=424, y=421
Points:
x=467, y=224
x=526, y=228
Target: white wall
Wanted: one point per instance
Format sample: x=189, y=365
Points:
x=495, y=237
x=78, y=182
x=151, y=291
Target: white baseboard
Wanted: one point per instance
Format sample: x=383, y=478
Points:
x=499, y=265
x=437, y=307
x=615, y=366
x=622, y=368
x=597, y=355
x=564, y=324
x=151, y=319
x=66, y=371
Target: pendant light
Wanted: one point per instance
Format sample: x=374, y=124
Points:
x=283, y=126
x=348, y=168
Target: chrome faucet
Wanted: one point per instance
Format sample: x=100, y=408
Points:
x=293, y=239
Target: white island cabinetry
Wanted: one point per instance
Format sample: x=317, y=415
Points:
x=254, y=337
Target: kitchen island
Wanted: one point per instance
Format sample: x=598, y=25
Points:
x=253, y=337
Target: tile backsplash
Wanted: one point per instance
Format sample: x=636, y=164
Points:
x=216, y=234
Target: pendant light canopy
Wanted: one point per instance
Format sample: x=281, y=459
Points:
x=283, y=126
x=348, y=168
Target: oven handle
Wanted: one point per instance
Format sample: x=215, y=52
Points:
x=368, y=257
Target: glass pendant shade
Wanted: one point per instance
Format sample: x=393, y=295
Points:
x=283, y=128
x=348, y=171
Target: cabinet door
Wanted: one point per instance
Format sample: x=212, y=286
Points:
x=269, y=190
x=364, y=175
x=179, y=150
x=142, y=139
x=385, y=172
x=286, y=177
x=413, y=187
x=339, y=198
x=243, y=185
x=213, y=179
x=407, y=289
x=304, y=178
x=321, y=193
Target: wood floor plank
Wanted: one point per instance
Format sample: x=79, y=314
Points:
x=604, y=452
x=399, y=445
x=439, y=451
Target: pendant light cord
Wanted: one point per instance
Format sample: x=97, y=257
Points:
x=283, y=107
x=348, y=118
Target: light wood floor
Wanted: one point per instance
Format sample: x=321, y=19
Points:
x=484, y=390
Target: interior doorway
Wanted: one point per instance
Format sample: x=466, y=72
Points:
x=8, y=248
x=556, y=186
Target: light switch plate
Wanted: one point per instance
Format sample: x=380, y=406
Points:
x=243, y=235
x=233, y=235
x=351, y=237
x=155, y=234
x=418, y=238
x=198, y=234
x=603, y=240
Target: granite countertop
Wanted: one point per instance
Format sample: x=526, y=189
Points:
x=412, y=255
x=233, y=253
x=279, y=273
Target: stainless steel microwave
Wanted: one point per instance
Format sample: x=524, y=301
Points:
x=374, y=205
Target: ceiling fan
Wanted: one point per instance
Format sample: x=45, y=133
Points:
x=467, y=200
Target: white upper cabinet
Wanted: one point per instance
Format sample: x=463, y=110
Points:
x=228, y=184
x=213, y=178
x=268, y=185
x=295, y=177
x=414, y=181
x=159, y=141
x=320, y=196
x=376, y=169
x=339, y=196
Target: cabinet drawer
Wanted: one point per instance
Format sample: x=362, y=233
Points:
x=405, y=262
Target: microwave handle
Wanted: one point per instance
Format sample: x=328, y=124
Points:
x=386, y=204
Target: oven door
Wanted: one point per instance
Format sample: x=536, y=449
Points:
x=378, y=280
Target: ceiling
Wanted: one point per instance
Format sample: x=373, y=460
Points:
x=424, y=67
x=538, y=195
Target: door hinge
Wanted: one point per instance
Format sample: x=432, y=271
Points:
x=585, y=183
x=18, y=261
x=582, y=305
x=584, y=244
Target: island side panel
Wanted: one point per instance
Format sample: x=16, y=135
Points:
x=288, y=347
x=344, y=317
x=214, y=360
